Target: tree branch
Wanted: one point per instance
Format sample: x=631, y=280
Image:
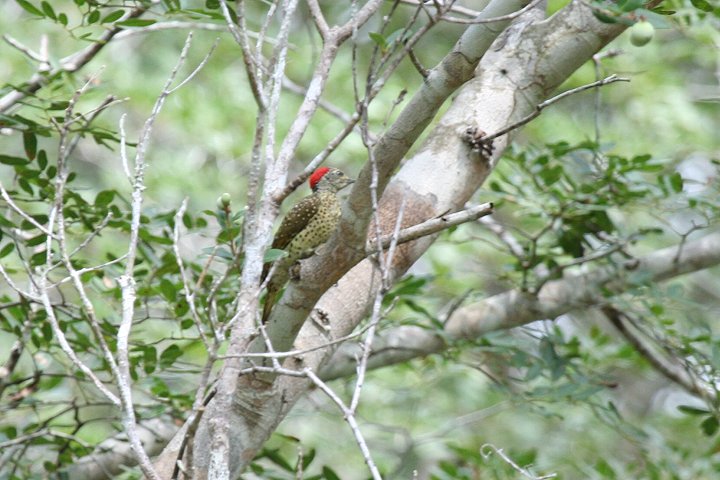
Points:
x=457, y=67
x=70, y=64
x=515, y=307
x=486, y=139
x=431, y=226
x=674, y=373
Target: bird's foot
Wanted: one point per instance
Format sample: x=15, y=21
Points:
x=475, y=138
x=294, y=271
x=321, y=319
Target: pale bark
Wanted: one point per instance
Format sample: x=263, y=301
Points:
x=514, y=307
x=525, y=65
x=528, y=62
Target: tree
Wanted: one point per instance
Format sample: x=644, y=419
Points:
x=132, y=319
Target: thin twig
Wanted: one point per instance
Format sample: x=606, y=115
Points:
x=123, y=149
x=350, y=419
x=541, y=106
x=22, y=48
x=189, y=292
x=127, y=281
x=432, y=226
x=686, y=380
x=424, y=72
x=297, y=353
x=183, y=25
x=319, y=19
x=252, y=62
x=489, y=448
x=65, y=346
x=68, y=64
x=8, y=199
x=333, y=110
x=454, y=8
x=475, y=21
x=197, y=69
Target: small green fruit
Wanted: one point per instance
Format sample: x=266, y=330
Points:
x=223, y=201
x=641, y=33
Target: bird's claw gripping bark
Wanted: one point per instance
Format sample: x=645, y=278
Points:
x=475, y=138
x=294, y=271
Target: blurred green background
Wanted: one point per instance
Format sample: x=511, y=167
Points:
x=434, y=414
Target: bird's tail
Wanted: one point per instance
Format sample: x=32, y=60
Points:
x=277, y=281
x=270, y=299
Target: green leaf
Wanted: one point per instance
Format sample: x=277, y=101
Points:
x=7, y=250
x=36, y=240
x=169, y=355
x=48, y=10
x=111, y=17
x=181, y=308
x=30, y=144
x=136, y=22
x=710, y=426
x=274, y=254
x=149, y=359
x=676, y=182
x=104, y=198
x=63, y=19
x=167, y=289
x=8, y=160
x=60, y=105
x=690, y=410
x=604, y=469
x=25, y=185
x=93, y=17
x=379, y=39
x=274, y=456
x=703, y=5
x=330, y=474
x=307, y=459
x=630, y=5
x=551, y=175
x=605, y=18
x=30, y=8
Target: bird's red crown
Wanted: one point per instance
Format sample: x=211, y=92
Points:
x=317, y=175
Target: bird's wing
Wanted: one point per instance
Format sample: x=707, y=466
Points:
x=296, y=219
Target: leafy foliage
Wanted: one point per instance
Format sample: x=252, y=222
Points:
x=571, y=205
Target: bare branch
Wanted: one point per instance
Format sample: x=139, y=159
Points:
x=252, y=62
x=454, y=8
x=539, y=108
x=127, y=281
x=22, y=48
x=509, y=16
x=187, y=288
x=66, y=347
x=319, y=19
x=8, y=199
x=432, y=226
x=198, y=68
x=514, y=307
x=487, y=449
x=350, y=418
x=68, y=64
x=685, y=379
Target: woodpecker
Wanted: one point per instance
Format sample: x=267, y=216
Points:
x=306, y=226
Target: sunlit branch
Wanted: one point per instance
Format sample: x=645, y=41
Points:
x=68, y=64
